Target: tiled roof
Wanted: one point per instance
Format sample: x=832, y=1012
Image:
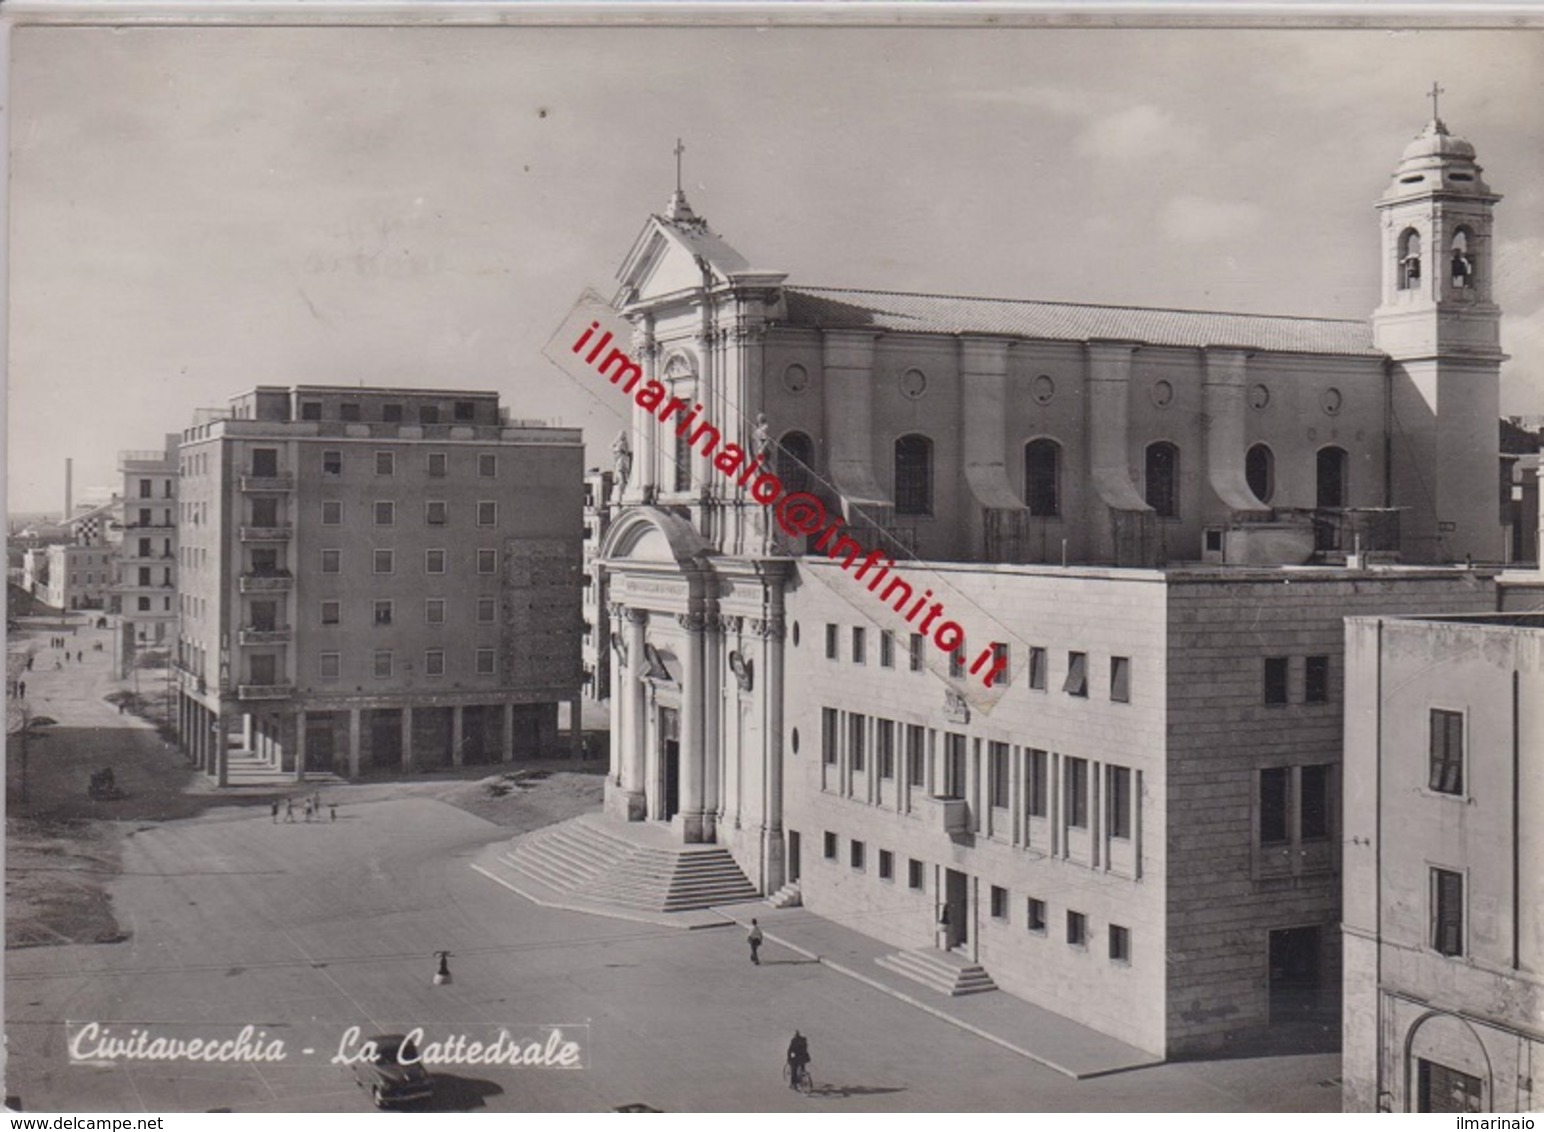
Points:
x=1021, y=318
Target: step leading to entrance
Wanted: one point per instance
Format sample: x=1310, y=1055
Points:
x=943, y=971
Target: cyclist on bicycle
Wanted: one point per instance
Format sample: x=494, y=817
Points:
x=798, y=1058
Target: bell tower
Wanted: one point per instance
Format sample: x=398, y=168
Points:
x=1440, y=326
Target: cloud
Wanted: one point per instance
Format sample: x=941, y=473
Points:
x=1137, y=133
x=1199, y=220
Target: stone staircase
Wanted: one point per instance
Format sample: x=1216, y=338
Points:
x=787, y=897
x=943, y=971
x=585, y=859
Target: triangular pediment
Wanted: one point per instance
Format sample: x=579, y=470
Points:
x=672, y=256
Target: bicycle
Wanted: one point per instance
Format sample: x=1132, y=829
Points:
x=805, y=1084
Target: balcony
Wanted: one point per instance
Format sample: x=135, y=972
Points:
x=267, y=583
x=166, y=527
x=277, y=635
x=948, y=815
x=282, y=481
x=265, y=691
x=277, y=533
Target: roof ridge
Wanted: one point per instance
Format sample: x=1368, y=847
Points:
x=1068, y=303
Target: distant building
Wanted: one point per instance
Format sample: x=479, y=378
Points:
x=70, y=576
x=1444, y=864
x=147, y=553
x=597, y=618
x=376, y=579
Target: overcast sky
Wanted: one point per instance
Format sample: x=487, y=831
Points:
x=198, y=211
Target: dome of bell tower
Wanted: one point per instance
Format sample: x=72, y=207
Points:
x=1436, y=161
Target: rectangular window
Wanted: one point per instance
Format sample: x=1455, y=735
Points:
x=1076, y=683
x=383, y=612
x=385, y=464
x=487, y=513
x=1120, y=944
x=265, y=461
x=145, y=490
x=464, y=410
x=332, y=513
x=1035, y=917
x=914, y=649
x=886, y=865
x=1316, y=680
x=383, y=663
x=436, y=514
x=332, y=613
x=1447, y=752
x=332, y=561
x=1275, y=680
x=831, y=642
x=1447, y=911
x=914, y=873
x=884, y=746
x=310, y=410
x=485, y=663
x=887, y=649
x=954, y=765
x=1077, y=793
x=434, y=662
x=1039, y=800
x=385, y=513
x=486, y=608
x=998, y=768
x=1447, y=1090
x=144, y=605
x=683, y=463
x=385, y=561
x=332, y=463
x=1119, y=799
x=1314, y=802
x=391, y=413
x=999, y=903
x=1037, y=669
x=1120, y=679
x=956, y=665
x=349, y=411
x=1077, y=929
x=829, y=846
x=437, y=465
x=1273, y=805
x=434, y=561
x=828, y=725
x=859, y=645
x=331, y=666
x=487, y=561
x=855, y=855
x=428, y=414
x=434, y=611
x=856, y=726
x=487, y=465
x=916, y=755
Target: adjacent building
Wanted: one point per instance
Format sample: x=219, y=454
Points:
x=1444, y=864
x=146, y=590
x=598, y=487
x=376, y=579
x=1167, y=513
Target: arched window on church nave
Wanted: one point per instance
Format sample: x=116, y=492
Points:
x=1330, y=468
x=1260, y=472
x=680, y=380
x=683, y=462
x=1409, y=259
x=1462, y=260
x=1161, y=479
x=913, y=475
x=796, y=461
x=1042, y=477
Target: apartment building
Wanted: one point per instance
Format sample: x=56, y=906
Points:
x=145, y=594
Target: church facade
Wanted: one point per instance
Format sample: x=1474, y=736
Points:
x=1166, y=514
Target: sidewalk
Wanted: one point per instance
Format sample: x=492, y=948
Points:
x=1028, y=1030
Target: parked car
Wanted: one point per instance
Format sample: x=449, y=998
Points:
x=388, y=1080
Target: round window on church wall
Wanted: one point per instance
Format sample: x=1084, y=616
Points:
x=914, y=383
x=1331, y=401
x=1163, y=394
x=795, y=378
x=1259, y=396
x=1043, y=389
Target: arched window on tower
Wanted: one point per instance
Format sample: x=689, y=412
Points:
x=1042, y=477
x=1462, y=260
x=796, y=461
x=1260, y=472
x=1162, y=479
x=913, y=475
x=1409, y=259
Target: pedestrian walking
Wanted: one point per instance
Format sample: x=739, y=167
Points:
x=21, y=689
x=308, y=809
x=120, y=707
x=754, y=939
x=30, y=659
x=289, y=809
x=442, y=972
x=275, y=809
x=333, y=808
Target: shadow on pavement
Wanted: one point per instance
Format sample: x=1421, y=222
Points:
x=853, y=1090
x=459, y=1094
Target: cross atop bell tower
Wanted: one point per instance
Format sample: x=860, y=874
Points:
x=678, y=210
x=1432, y=94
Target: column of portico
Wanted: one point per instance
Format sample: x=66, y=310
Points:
x=353, y=742
x=772, y=673
x=407, y=738
x=712, y=739
x=221, y=748
x=693, y=688
x=507, y=735
x=457, y=725
x=626, y=797
x=618, y=698
x=300, y=745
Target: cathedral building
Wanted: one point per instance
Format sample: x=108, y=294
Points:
x=1166, y=513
